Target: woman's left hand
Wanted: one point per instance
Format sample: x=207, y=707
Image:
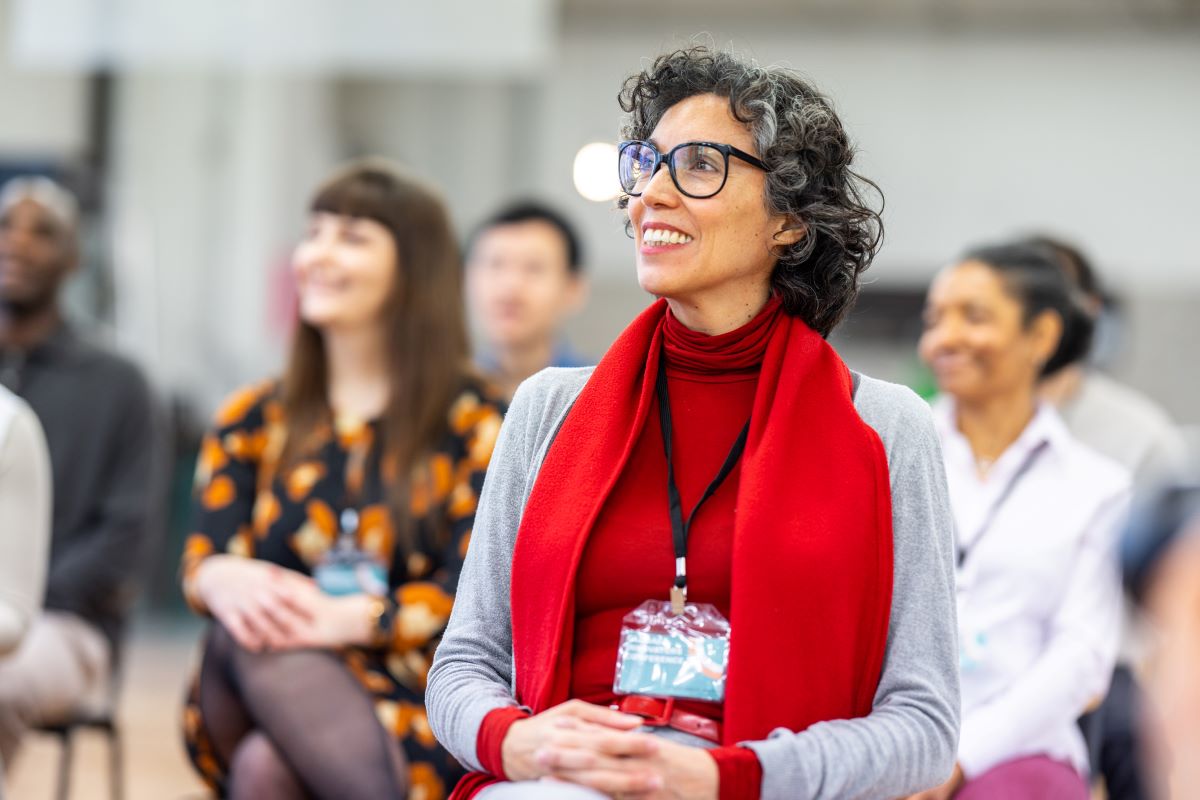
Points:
x=946, y=790
x=332, y=621
x=684, y=773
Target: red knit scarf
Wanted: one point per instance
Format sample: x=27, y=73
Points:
x=812, y=549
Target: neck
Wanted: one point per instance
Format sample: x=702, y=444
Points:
x=516, y=363
x=358, y=371
x=993, y=424
x=726, y=310
x=1061, y=387
x=23, y=331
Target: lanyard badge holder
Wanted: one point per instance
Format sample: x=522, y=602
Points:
x=673, y=648
x=345, y=569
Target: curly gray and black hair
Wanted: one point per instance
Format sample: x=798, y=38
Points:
x=807, y=151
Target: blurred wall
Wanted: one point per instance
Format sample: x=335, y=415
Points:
x=971, y=134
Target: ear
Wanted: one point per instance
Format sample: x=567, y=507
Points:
x=1046, y=331
x=790, y=230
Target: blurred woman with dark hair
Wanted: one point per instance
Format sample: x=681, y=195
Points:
x=1036, y=513
x=720, y=531
x=334, y=508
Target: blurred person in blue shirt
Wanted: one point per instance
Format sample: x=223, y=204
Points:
x=524, y=278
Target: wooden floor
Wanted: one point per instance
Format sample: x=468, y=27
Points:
x=159, y=661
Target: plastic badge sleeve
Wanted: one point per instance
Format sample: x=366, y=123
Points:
x=663, y=654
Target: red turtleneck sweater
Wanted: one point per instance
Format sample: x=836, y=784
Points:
x=630, y=558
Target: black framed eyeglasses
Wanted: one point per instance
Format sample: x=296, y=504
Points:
x=698, y=169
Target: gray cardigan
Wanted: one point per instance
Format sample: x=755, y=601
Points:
x=908, y=741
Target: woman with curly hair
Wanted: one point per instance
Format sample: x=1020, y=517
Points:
x=719, y=564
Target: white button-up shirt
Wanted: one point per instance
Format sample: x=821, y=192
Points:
x=1039, y=594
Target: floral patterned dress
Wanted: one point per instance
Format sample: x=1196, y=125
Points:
x=246, y=506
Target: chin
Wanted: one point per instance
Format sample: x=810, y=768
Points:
x=653, y=280
x=320, y=317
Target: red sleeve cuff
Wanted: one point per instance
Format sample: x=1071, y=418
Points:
x=738, y=772
x=490, y=739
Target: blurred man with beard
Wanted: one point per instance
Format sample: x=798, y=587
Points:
x=96, y=411
x=524, y=279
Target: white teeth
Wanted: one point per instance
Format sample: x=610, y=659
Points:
x=664, y=236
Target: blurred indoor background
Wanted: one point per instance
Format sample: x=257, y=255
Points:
x=194, y=132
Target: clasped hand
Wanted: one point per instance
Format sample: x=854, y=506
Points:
x=267, y=607
x=597, y=747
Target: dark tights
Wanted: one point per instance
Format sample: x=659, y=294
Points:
x=294, y=724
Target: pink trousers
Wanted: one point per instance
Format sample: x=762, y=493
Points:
x=1030, y=778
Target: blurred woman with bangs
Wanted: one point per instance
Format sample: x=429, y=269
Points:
x=333, y=511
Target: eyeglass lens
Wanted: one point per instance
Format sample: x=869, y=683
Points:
x=699, y=170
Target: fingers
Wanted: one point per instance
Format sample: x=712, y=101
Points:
x=625, y=782
x=604, y=740
x=299, y=606
x=599, y=715
x=260, y=620
x=282, y=617
x=247, y=637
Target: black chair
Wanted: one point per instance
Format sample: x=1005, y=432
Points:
x=103, y=720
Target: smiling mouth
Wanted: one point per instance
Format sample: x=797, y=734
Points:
x=659, y=237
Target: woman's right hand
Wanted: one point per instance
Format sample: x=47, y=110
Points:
x=593, y=737
x=262, y=605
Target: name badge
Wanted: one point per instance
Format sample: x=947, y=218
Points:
x=350, y=571
x=664, y=654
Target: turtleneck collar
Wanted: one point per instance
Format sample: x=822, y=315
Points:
x=738, y=352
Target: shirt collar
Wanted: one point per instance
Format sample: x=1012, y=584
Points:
x=61, y=342
x=1046, y=426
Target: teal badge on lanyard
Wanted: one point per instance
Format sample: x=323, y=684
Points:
x=664, y=654
x=346, y=569
x=675, y=648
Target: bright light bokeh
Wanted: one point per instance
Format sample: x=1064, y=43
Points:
x=596, y=171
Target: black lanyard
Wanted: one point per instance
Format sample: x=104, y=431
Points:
x=680, y=527
x=990, y=518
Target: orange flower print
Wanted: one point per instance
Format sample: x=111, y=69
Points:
x=424, y=783
x=376, y=534
x=267, y=511
x=245, y=445
x=409, y=669
x=482, y=440
x=211, y=459
x=241, y=543
x=316, y=535
x=405, y=719
x=424, y=609
x=388, y=713
x=463, y=544
x=301, y=479
x=419, y=725
x=238, y=404
x=466, y=411
x=218, y=494
x=462, y=501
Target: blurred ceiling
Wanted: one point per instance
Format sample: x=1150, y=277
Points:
x=1018, y=13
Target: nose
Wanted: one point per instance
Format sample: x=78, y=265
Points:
x=945, y=334
x=661, y=190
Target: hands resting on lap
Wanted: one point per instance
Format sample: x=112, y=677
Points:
x=267, y=607
x=597, y=747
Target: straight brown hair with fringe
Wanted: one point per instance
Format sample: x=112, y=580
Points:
x=426, y=333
